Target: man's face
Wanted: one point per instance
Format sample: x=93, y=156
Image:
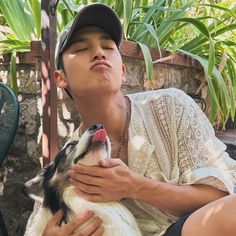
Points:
x=92, y=63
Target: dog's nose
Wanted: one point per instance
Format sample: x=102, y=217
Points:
x=96, y=127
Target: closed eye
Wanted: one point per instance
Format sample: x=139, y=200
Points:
x=80, y=50
x=108, y=48
x=84, y=49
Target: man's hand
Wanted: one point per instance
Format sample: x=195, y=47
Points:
x=111, y=181
x=94, y=228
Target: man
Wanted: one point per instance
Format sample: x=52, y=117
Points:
x=168, y=167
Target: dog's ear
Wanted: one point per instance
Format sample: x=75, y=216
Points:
x=34, y=187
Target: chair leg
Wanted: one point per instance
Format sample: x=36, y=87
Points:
x=3, y=228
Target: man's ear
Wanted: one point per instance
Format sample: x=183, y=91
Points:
x=123, y=73
x=60, y=79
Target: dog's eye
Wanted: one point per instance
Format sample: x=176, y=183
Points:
x=69, y=147
x=77, y=158
x=61, y=158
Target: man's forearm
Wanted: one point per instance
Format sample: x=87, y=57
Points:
x=174, y=199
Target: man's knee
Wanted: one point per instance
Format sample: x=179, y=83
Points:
x=214, y=219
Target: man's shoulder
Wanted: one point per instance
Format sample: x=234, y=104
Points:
x=148, y=96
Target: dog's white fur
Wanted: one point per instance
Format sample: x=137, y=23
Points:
x=117, y=219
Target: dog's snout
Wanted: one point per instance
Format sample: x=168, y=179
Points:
x=96, y=127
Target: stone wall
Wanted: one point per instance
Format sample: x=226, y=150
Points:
x=23, y=161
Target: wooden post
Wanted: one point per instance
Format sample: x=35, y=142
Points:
x=49, y=91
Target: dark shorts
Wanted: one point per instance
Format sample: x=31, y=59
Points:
x=176, y=228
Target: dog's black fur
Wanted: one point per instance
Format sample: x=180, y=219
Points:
x=52, y=197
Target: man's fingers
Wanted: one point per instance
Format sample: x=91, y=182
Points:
x=92, y=225
x=90, y=197
x=94, y=228
x=56, y=219
x=108, y=163
x=88, y=170
x=77, y=222
x=99, y=231
x=93, y=189
x=87, y=179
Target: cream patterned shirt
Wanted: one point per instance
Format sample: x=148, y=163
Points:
x=171, y=140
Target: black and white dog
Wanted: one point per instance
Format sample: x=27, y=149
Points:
x=53, y=189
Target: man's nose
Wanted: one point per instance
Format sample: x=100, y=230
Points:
x=98, y=54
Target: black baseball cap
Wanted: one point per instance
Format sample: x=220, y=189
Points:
x=95, y=14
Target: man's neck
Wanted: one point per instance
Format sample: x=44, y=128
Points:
x=109, y=111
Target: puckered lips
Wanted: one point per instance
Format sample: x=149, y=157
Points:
x=100, y=64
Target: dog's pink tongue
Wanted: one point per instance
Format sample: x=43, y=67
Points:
x=100, y=136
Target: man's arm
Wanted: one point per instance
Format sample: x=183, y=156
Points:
x=175, y=199
x=114, y=181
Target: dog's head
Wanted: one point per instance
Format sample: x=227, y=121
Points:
x=48, y=186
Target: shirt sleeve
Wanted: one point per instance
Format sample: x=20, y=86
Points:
x=201, y=155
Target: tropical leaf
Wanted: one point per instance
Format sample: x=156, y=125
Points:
x=36, y=10
x=148, y=16
x=127, y=15
x=232, y=13
x=155, y=37
x=148, y=60
x=18, y=17
x=13, y=79
x=217, y=88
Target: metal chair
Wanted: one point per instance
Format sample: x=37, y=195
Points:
x=9, y=118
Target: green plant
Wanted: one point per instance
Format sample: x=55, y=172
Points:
x=23, y=19
x=204, y=30
x=200, y=29
x=218, y=57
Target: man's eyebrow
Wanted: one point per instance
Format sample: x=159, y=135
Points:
x=105, y=36
x=82, y=39
x=78, y=39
